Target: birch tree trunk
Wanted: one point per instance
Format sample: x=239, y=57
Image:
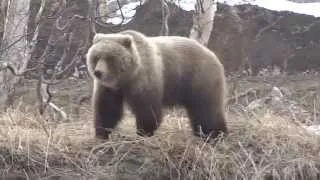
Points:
x=203, y=20
x=3, y=7
x=103, y=10
x=14, y=44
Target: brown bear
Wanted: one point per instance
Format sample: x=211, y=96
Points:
x=149, y=73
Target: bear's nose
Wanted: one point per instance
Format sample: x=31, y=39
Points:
x=98, y=74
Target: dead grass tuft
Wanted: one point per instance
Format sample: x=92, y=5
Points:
x=261, y=147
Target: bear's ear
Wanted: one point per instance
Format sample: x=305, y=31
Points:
x=126, y=41
x=97, y=37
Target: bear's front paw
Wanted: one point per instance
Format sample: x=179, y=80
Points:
x=102, y=134
x=101, y=137
x=144, y=134
x=211, y=135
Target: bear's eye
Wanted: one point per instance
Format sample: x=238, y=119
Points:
x=121, y=69
x=110, y=58
x=95, y=59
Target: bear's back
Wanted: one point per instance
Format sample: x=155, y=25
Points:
x=185, y=61
x=183, y=48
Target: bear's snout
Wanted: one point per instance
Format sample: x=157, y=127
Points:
x=98, y=74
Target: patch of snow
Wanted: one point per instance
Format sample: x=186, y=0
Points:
x=313, y=129
x=187, y=5
x=128, y=11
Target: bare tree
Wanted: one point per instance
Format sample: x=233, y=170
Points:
x=17, y=51
x=3, y=7
x=14, y=36
x=203, y=20
x=66, y=35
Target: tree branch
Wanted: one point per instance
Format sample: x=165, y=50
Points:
x=5, y=65
x=261, y=31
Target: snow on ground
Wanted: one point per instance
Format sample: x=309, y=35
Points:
x=188, y=5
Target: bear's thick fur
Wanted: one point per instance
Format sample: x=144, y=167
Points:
x=150, y=73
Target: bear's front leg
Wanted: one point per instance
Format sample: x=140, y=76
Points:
x=148, y=113
x=107, y=109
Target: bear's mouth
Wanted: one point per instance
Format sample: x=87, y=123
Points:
x=108, y=82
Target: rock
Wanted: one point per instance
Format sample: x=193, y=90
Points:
x=280, y=105
x=313, y=129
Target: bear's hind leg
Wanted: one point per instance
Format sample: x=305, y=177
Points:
x=108, y=110
x=206, y=120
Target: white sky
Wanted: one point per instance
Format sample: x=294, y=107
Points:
x=281, y=5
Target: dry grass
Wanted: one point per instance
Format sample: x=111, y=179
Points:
x=261, y=147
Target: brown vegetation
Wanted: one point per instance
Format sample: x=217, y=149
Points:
x=259, y=146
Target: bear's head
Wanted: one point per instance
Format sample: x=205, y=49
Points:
x=112, y=59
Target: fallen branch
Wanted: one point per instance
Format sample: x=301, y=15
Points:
x=237, y=96
x=6, y=65
x=44, y=98
x=59, y=110
x=261, y=31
